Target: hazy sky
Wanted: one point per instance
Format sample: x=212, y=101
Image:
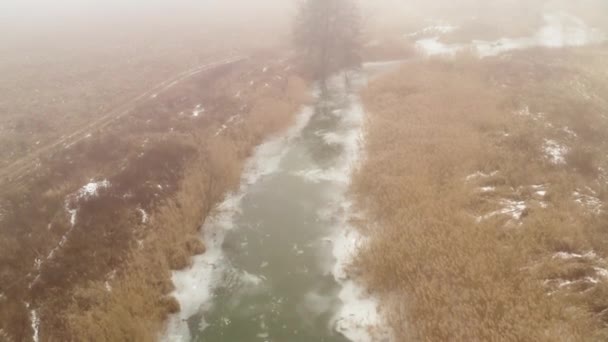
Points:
x=44, y=13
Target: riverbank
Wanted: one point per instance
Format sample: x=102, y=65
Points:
x=483, y=192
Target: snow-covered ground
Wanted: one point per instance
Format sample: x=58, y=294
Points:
x=560, y=30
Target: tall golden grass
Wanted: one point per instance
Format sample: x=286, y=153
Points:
x=442, y=273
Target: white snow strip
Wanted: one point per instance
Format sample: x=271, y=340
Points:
x=569, y=256
x=480, y=174
x=144, y=215
x=360, y=312
x=590, y=202
x=35, y=325
x=515, y=209
x=487, y=189
x=555, y=151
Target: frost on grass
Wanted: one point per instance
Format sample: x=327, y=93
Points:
x=594, y=268
x=555, y=152
x=511, y=208
x=235, y=119
x=588, y=200
x=526, y=113
x=359, y=318
x=198, y=110
x=144, y=215
x=570, y=256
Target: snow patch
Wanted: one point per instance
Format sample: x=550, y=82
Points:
x=590, y=202
x=92, y=189
x=570, y=256
x=144, y=215
x=559, y=30
x=35, y=325
x=556, y=152
x=480, y=174
x=515, y=209
x=198, y=110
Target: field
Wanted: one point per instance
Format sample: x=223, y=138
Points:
x=484, y=186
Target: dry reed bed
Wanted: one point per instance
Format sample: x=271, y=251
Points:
x=450, y=145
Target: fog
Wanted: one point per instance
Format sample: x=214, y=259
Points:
x=31, y=16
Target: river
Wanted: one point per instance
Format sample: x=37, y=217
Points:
x=278, y=247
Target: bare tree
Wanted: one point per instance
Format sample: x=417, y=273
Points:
x=327, y=36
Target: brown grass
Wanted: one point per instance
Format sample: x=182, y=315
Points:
x=441, y=274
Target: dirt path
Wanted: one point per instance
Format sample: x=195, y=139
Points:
x=17, y=170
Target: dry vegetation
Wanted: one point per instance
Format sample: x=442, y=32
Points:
x=169, y=159
x=60, y=71
x=476, y=234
